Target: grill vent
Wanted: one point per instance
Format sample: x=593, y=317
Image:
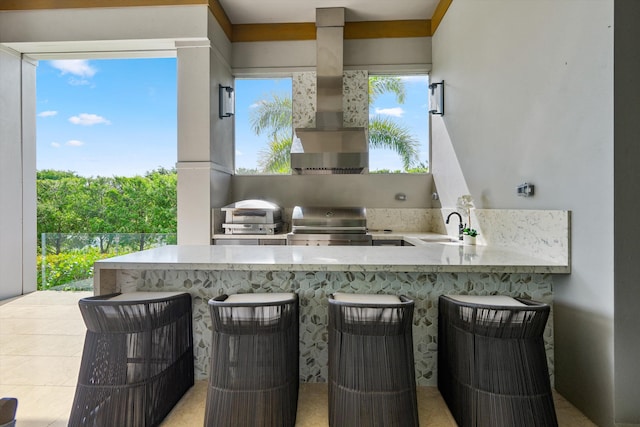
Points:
x=329, y=148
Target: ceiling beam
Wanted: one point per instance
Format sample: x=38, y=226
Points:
x=221, y=16
x=387, y=29
x=438, y=14
x=273, y=32
x=352, y=30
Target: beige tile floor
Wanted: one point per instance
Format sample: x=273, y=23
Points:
x=41, y=338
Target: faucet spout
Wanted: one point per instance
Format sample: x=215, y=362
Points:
x=460, y=225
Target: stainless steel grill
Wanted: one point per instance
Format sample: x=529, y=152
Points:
x=319, y=226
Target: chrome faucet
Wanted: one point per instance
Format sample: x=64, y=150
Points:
x=460, y=226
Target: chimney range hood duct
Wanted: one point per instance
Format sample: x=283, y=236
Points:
x=329, y=148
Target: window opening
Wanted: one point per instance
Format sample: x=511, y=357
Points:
x=263, y=126
x=106, y=151
x=398, y=123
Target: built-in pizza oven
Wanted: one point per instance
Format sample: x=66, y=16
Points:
x=320, y=226
x=252, y=217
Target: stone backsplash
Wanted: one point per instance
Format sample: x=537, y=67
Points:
x=543, y=234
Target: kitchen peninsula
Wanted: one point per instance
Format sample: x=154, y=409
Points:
x=433, y=266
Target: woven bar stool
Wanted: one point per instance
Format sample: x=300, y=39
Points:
x=137, y=360
x=492, y=366
x=254, y=376
x=371, y=369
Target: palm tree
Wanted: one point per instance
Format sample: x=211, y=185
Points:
x=273, y=117
x=275, y=158
x=383, y=84
x=386, y=133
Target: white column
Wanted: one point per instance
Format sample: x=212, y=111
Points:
x=17, y=175
x=194, y=154
x=29, y=194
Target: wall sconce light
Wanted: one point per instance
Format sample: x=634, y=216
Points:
x=227, y=99
x=436, y=98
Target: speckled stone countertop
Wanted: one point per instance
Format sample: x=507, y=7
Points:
x=431, y=253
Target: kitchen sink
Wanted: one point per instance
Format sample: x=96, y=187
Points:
x=439, y=239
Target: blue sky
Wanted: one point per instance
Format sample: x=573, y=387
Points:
x=118, y=117
x=106, y=117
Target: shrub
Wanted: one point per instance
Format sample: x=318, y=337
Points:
x=68, y=267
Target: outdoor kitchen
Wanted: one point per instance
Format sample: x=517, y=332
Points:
x=505, y=125
x=333, y=227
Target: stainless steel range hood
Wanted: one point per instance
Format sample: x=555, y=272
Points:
x=329, y=148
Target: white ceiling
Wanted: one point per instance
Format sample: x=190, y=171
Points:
x=284, y=11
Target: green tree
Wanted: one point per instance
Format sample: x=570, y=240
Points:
x=386, y=84
x=273, y=117
x=386, y=133
x=276, y=159
x=55, y=174
x=71, y=204
x=57, y=211
x=162, y=196
x=129, y=206
x=247, y=171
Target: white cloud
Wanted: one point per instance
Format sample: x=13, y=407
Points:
x=74, y=143
x=77, y=67
x=238, y=153
x=48, y=113
x=78, y=82
x=55, y=144
x=395, y=112
x=86, y=119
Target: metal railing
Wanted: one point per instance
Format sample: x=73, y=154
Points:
x=66, y=260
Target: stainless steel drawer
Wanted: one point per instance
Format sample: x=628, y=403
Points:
x=236, y=241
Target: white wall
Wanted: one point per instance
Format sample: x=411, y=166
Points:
x=528, y=97
x=66, y=26
x=411, y=54
x=17, y=175
x=10, y=176
x=368, y=190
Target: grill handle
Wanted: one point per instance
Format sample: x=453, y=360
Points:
x=245, y=212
